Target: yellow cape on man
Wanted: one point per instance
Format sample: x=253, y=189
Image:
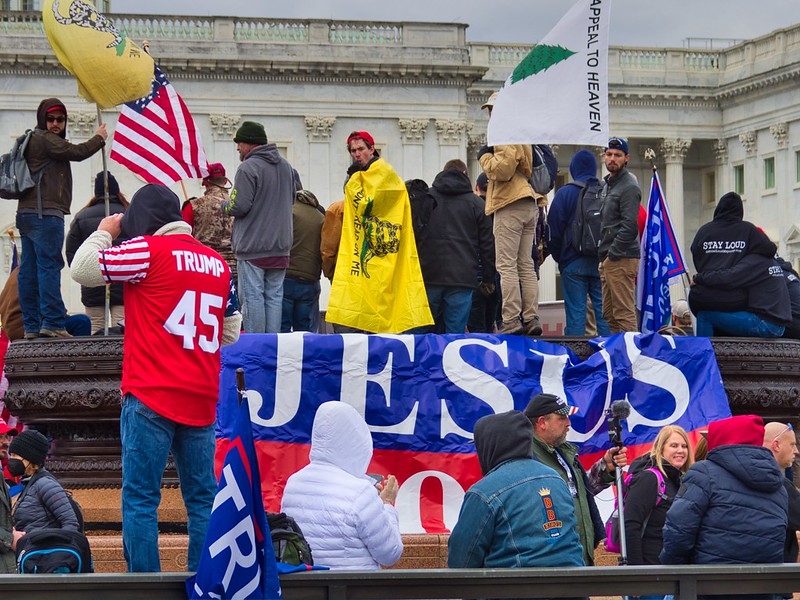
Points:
x=377, y=285
x=110, y=68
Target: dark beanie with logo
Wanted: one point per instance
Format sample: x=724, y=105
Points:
x=30, y=445
x=251, y=132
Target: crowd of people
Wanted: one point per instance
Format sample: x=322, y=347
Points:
x=176, y=273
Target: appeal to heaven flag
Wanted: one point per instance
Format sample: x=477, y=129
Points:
x=109, y=67
x=238, y=560
x=558, y=94
x=156, y=136
x=662, y=262
x=377, y=285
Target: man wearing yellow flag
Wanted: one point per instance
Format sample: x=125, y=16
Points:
x=109, y=67
x=377, y=286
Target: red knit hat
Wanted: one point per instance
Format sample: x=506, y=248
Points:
x=742, y=429
x=361, y=135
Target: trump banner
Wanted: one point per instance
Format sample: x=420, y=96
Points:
x=109, y=67
x=238, y=560
x=558, y=94
x=421, y=396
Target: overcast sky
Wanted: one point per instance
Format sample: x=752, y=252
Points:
x=666, y=23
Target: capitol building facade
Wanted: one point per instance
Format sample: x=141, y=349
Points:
x=718, y=120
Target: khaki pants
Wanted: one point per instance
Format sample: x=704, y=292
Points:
x=97, y=314
x=514, y=228
x=618, y=279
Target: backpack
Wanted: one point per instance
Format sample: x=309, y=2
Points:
x=15, y=176
x=545, y=169
x=586, y=228
x=288, y=541
x=422, y=206
x=613, y=543
x=54, y=551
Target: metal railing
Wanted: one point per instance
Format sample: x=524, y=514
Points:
x=684, y=582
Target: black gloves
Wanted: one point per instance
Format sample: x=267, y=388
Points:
x=485, y=150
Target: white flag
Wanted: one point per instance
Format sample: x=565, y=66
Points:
x=558, y=94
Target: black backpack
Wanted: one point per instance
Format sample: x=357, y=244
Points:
x=586, y=228
x=545, y=169
x=288, y=541
x=15, y=175
x=54, y=551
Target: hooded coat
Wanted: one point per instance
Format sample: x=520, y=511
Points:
x=731, y=509
x=520, y=514
x=720, y=244
x=337, y=506
x=53, y=153
x=261, y=204
x=563, y=210
x=458, y=234
x=644, y=514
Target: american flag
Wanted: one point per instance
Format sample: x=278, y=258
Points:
x=156, y=137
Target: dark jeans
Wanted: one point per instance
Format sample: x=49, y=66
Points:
x=40, y=272
x=300, y=299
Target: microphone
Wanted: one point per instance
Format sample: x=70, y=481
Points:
x=619, y=410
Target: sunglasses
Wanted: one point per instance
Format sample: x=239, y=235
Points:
x=56, y=119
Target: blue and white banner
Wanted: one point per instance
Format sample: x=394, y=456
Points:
x=421, y=396
x=661, y=264
x=238, y=560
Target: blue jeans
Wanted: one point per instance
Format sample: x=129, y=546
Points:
x=300, y=298
x=580, y=279
x=147, y=439
x=740, y=323
x=40, y=272
x=261, y=295
x=450, y=306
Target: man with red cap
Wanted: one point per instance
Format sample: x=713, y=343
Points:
x=40, y=218
x=210, y=224
x=732, y=506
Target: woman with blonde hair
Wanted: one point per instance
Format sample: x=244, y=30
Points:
x=648, y=499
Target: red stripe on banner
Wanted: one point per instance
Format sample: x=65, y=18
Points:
x=421, y=471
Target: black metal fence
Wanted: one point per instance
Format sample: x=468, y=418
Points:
x=685, y=583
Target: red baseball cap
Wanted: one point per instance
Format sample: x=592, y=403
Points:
x=6, y=429
x=361, y=135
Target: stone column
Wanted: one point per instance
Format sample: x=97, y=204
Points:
x=319, y=130
x=749, y=141
x=453, y=135
x=674, y=152
x=724, y=184
x=223, y=149
x=784, y=178
x=474, y=143
x=412, y=132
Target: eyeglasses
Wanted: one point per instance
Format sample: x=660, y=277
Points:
x=784, y=430
x=56, y=119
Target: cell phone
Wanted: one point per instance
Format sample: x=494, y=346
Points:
x=376, y=477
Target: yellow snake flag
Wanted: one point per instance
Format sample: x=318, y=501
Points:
x=378, y=283
x=110, y=68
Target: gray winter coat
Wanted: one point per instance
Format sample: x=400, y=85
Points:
x=621, y=198
x=43, y=503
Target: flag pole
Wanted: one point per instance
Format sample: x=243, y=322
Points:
x=107, y=309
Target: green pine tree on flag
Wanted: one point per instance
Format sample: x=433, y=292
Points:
x=539, y=59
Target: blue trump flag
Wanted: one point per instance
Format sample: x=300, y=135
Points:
x=238, y=561
x=662, y=262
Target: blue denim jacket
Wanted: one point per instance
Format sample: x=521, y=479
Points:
x=519, y=515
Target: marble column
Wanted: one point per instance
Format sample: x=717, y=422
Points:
x=412, y=132
x=723, y=170
x=453, y=135
x=318, y=130
x=674, y=153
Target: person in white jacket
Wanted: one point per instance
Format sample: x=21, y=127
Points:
x=349, y=522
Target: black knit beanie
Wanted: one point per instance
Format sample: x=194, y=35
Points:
x=99, y=187
x=30, y=445
x=251, y=132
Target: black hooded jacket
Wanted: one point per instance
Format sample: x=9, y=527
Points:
x=502, y=437
x=152, y=207
x=457, y=234
x=721, y=244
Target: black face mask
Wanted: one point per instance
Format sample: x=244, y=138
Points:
x=16, y=467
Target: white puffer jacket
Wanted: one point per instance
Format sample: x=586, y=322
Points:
x=337, y=506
